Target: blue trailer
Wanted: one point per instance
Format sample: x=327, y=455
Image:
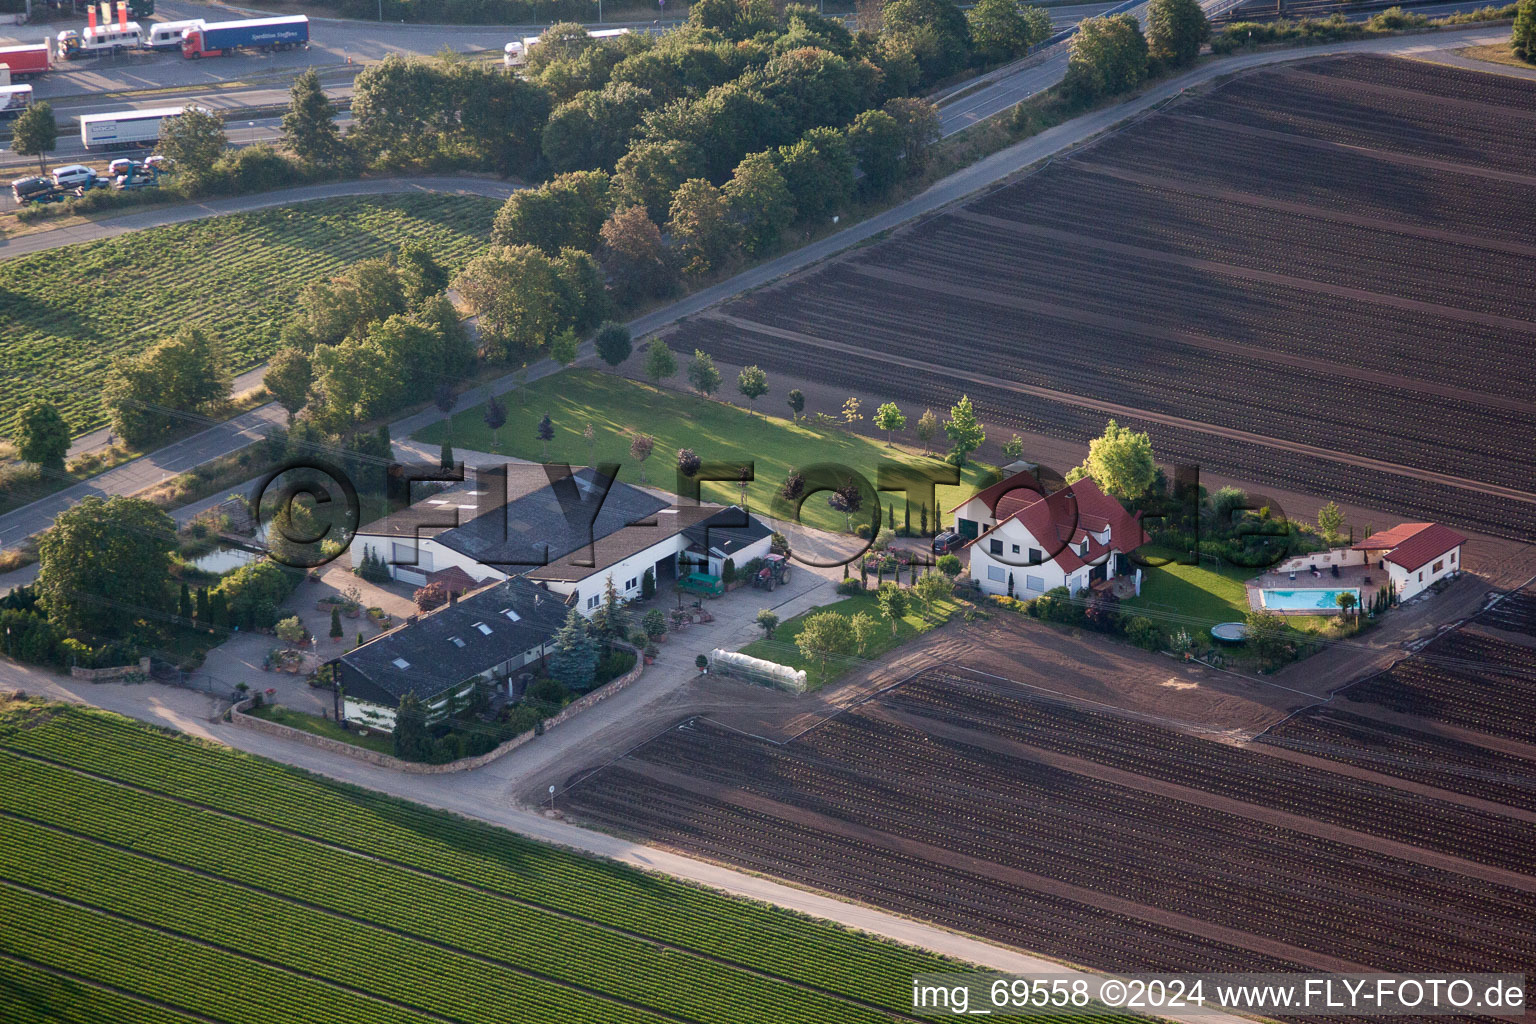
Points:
x=222, y=38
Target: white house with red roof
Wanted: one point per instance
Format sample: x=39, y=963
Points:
x=1415, y=555
x=1027, y=543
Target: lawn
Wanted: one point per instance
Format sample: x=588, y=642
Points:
x=616, y=407
x=1197, y=597
x=323, y=727
x=68, y=313
x=148, y=876
x=783, y=649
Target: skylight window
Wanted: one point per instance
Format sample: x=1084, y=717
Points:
x=509, y=613
x=482, y=627
x=401, y=663
x=458, y=641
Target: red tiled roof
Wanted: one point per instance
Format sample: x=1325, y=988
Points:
x=1062, y=521
x=1413, y=545
x=1024, y=485
x=454, y=578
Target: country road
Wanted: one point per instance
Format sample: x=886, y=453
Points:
x=216, y=441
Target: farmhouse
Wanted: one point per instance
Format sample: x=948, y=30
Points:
x=1025, y=543
x=571, y=535
x=488, y=636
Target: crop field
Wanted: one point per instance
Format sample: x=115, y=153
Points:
x=1100, y=839
x=67, y=314
x=1456, y=716
x=1313, y=277
x=148, y=877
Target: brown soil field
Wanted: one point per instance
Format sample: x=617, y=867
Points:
x=1313, y=277
x=970, y=796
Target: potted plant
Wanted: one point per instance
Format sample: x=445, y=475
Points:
x=701, y=663
x=650, y=653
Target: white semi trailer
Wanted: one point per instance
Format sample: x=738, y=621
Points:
x=123, y=128
x=515, y=53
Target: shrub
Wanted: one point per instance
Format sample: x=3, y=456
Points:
x=1144, y=633
x=949, y=565
x=433, y=595
x=654, y=623
x=850, y=587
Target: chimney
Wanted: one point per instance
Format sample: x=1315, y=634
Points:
x=122, y=14
x=453, y=597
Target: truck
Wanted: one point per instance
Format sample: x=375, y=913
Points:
x=13, y=100
x=26, y=61
x=515, y=53
x=123, y=128
x=100, y=40
x=223, y=38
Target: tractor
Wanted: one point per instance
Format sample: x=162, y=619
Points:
x=775, y=571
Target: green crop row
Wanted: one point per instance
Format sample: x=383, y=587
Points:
x=476, y=923
x=68, y=313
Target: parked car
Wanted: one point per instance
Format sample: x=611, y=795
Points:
x=122, y=165
x=72, y=175
x=947, y=542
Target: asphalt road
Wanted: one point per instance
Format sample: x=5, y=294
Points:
x=21, y=523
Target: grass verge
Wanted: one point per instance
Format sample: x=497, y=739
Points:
x=783, y=649
x=323, y=727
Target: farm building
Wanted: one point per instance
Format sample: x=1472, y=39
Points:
x=571, y=535
x=1026, y=543
x=1414, y=555
x=489, y=636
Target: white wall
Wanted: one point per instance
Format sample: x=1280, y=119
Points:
x=986, y=569
x=631, y=568
x=1411, y=584
x=1322, y=559
x=430, y=557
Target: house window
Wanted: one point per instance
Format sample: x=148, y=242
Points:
x=401, y=663
x=1453, y=558
x=996, y=574
x=1036, y=556
x=594, y=601
x=482, y=627
x=1439, y=565
x=995, y=547
x=632, y=583
x=1034, y=583
x=1015, y=549
x=457, y=641
x=1083, y=548
x=512, y=615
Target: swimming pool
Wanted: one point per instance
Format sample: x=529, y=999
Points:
x=1306, y=600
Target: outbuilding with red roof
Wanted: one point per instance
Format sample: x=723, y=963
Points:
x=1414, y=555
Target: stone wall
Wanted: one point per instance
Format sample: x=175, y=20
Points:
x=238, y=716
x=97, y=675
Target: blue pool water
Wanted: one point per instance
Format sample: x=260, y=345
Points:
x=1307, y=600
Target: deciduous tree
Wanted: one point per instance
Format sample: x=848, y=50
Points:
x=41, y=435
x=106, y=564
x=1176, y=29
x=613, y=343
x=927, y=429
x=965, y=431
x=193, y=141
x=890, y=418
x=182, y=374
x=1107, y=55
x=640, y=448
x=701, y=227
x=36, y=133
x=1522, y=40
x=702, y=373
x=1004, y=29
x=893, y=604
x=824, y=635
x=752, y=382
x=759, y=200
x=289, y=376
x=660, y=363
x=796, y=402
x=1120, y=462
x=634, y=256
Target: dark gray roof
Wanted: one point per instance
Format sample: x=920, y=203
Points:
x=434, y=661
x=547, y=524
x=721, y=534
